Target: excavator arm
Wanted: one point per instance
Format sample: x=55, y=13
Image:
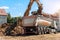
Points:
x=29, y=7
x=39, y=11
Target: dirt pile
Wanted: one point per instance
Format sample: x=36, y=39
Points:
x=17, y=30
x=3, y=28
x=6, y=29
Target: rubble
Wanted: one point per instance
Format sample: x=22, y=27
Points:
x=17, y=30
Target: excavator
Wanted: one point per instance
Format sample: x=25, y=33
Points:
x=35, y=23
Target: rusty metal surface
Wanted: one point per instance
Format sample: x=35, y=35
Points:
x=28, y=21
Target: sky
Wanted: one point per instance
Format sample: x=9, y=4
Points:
x=18, y=7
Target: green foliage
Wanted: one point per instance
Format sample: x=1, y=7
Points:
x=8, y=18
x=12, y=19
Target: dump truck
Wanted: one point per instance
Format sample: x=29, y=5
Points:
x=37, y=24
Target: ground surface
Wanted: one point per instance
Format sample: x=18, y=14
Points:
x=32, y=37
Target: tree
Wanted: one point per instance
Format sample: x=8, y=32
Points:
x=12, y=19
x=16, y=19
x=8, y=18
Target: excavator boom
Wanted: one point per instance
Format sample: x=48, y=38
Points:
x=29, y=7
x=39, y=11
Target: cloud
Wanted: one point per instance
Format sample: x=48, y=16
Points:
x=51, y=6
x=4, y=7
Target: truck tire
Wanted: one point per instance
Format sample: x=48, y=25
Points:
x=54, y=31
x=42, y=30
x=38, y=31
x=49, y=31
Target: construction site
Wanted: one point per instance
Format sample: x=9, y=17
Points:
x=37, y=26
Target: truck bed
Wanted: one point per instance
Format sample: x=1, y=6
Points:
x=28, y=20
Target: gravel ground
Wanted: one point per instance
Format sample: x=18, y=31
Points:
x=32, y=37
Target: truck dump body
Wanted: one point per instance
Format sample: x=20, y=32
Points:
x=28, y=20
x=43, y=23
x=34, y=21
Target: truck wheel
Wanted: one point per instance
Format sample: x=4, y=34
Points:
x=42, y=30
x=49, y=30
x=38, y=30
x=55, y=32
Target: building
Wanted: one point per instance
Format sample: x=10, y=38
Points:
x=3, y=16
